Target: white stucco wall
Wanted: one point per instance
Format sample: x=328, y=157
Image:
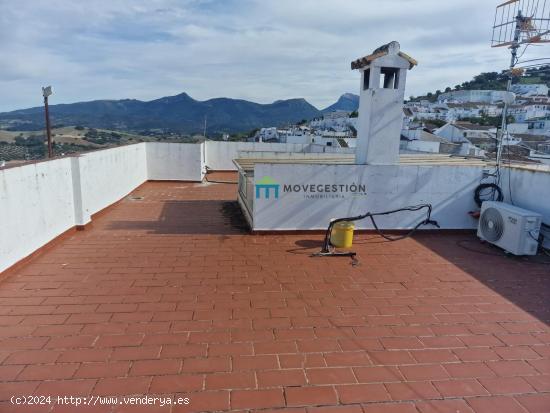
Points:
x=423, y=146
x=529, y=189
x=381, y=112
x=36, y=205
x=40, y=201
x=448, y=188
x=109, y=175
x=175, y=161
x=290, y=157
x=220, y=155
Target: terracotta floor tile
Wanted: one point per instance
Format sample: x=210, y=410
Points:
x=169, y=295
x=499, y=404
x=535, y=403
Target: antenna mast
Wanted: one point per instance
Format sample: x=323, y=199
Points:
x=517, y=23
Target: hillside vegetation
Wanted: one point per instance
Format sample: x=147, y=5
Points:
x=178, y=114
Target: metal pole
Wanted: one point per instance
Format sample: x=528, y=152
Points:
x=48, y=130
x=514, y=47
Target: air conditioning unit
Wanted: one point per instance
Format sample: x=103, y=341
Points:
x=513, y=229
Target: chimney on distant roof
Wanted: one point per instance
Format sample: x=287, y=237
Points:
x=383, y=78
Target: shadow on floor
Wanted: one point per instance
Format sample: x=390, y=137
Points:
x=524, y=281
x=191, y=217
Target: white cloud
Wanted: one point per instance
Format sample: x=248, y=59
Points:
x=260, y=50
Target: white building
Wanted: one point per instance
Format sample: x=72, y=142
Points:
x=421, y=140
x=450, y=111
x=517, y=128
x=542, y=154
x=337, y=121
x=538, y=127
x=480, y=96
x=459, y=132
x=538, y=89
x=533, y=99
x=267, y=134
x=522, y=113
x=544, y=147
x=336, y=114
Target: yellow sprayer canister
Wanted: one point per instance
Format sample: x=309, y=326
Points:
x=341, y=235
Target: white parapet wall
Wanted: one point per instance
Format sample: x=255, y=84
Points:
x=36, y=205
x=40, y=201
x=107, y=176
x=307, y=197
x=219, y=156
x=175, y=161
x=529, y=189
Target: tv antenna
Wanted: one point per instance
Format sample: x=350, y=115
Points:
x=518, y=23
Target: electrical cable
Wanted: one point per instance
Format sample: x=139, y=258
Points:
x=494, y=189
x=219, y=182
x=328, y=251
x=427, y=221
x=208, y=170
x=522, y=53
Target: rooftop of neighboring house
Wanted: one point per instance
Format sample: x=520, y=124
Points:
x=464, y=105
x=472, y=126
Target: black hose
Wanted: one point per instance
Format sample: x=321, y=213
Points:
x=371, y=215
x=208, y=170
x=482, y=187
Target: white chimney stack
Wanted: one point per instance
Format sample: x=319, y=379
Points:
x=383, y=78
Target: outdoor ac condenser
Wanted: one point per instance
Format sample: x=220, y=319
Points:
x=513, y=229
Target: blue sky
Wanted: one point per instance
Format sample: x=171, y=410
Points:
x=260, y=50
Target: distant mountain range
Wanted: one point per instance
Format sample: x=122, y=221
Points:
x=348, y=102
x=179, y=113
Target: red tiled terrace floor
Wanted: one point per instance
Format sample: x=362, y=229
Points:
x=164, y=296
